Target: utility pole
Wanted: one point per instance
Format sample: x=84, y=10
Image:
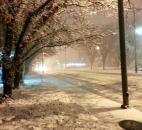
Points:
x=135, y=41
x=65, y=57
x=42, y=65
x=123, y=55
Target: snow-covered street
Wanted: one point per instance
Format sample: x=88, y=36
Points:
x=104, y=84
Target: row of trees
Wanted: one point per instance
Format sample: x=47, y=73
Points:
x=23, y=23
x=31, y=25
x=105, y=51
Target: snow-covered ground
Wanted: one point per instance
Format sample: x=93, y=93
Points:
x=71, y=100
x=107, y=84
x=1, y=85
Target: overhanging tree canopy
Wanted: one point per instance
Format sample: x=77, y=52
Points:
x=27, y=24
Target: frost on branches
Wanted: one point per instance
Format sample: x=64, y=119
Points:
x=30, y=25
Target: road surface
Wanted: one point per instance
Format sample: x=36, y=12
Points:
x=74, y=84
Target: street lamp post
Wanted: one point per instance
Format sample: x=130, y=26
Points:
x=123, y=55
x=135, y=42
x=65, y=57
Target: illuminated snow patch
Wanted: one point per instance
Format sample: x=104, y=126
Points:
x=1, y=85
x=139, y=31
x=32, y=81
x=75, y=65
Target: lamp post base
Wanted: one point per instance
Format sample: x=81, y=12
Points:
x=124, y=106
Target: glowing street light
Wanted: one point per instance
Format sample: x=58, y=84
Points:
x=97, y=48
x=138, y=31
x=40, y=68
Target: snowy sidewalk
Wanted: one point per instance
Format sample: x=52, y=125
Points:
x=108, y=111
x=117, y=113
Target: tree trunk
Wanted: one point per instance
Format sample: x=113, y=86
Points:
x=7, y=84
x=91, y=66
x=7, y=65
x=27, y=66
x=18, y=62
x=104, y=61
x=18, y=76
x=103, y=65
x=16, y=80
x=91, y=62
x=7, y=77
